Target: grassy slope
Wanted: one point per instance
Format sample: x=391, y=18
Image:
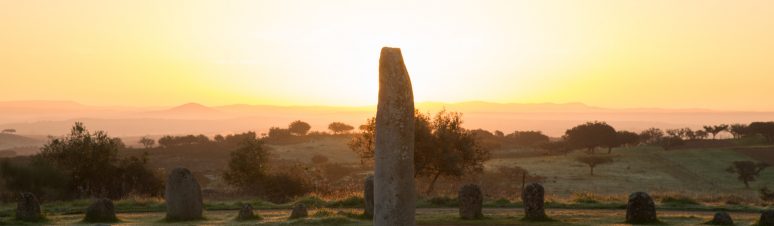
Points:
x=688, y=171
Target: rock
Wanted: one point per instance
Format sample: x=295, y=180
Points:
x=767, y=218
x=721, y=218
x=246, y=213
x=368, y=196
x=471, y=200
x=299, y=211
x=533, y=197
x=394, y=194
x=640, y=209
x=101, y=210
x=183, y=196
x=28, y=207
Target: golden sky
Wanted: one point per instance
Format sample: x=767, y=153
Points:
x=616, y=53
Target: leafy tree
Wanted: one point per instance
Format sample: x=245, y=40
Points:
x=278, y=133
x=147, y=142
x=93, y=166
x=442, y=147
x=247, y=166
x=627, y=138
x=593, y=161
x=738, y=130
x=765, y=129
x=299, y=128
x=651, y=135
x=499, y=133
x=701, y=134
x=747, y=170
x=528, y=138
x=670, y=142
x=339, y=127
x=591, y=135
x=714, y=130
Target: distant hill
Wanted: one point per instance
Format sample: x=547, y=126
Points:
x=56, y=117
x=9, y=141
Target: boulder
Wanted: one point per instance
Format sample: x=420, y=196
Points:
x=101, y=210
x=299, y=211
x=246, y=213
x=533, y=197
x=28, y=207
x=368, y=196
x=640, y=209
x=767, y=218
x=183, y=196
x=721, y=218
x=471, y=200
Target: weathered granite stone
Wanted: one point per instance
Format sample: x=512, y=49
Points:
x=767, y=218
x=721, y=218
x=183, y=196
x=101, y=210
x=394, y=194
x=471, y=200
x=533, y=197
x=28, y=207
x=368, y=196
x=640, y=209
x=246, y=213
x=299, y=211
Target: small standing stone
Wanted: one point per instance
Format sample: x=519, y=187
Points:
x=640, y=209
x=767, y=218
x=246, y=213
x=102, y=210
x=471, y=201
x=299, y=211
x=368, y=196
x=183, y=196
x=722, y=218
x=28, y=207
x=534, y=201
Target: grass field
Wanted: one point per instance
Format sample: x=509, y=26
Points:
x=431, y=217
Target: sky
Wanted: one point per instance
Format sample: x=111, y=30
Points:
x=616, y=53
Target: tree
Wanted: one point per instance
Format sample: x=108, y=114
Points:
x=714, y=130
x=738, y=130
x=593, y=161
x=591, y=135
x=528, y=138
x=559, y=147
x=651, y=135
x=339, y=127
x=299, y=128
x=747, y=170
x=442, y=147
x=247, y=166
x=147, y=142
x=701, y=134
x=278, y=133
x=627, y=138
x=670, y=142
x=9, y=131
x=94, y=168
x=765, y=129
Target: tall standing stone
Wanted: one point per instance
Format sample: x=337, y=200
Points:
x=394, y=195
x=368, y=196
x=471, y=201
x=640, y=209
x=767, y=218
x=533, y=198
x=101, y=210
x=28, y=207
x=721, y=218
x=183, y=196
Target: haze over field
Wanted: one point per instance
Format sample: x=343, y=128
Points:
x=56, y=117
